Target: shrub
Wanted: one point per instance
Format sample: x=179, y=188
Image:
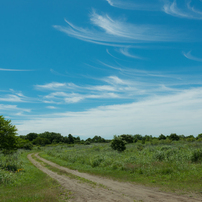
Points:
x=96, y=161
x=196, y=156
x=87, y=143
x=162, y=137
x=118, y=144
x=174, y=137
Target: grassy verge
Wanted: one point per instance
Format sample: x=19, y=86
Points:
x=169, y=167
x=31, y=184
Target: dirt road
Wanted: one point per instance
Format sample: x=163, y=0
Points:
x=106, y=189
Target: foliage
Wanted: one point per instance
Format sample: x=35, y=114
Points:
x=162, y=137
x=196, y=155
x=24, y=144
x=118, y=144
x=173, y=137
x=31, y=136
x=11, y=162
x=8, y=141
x=41, y=141
x=174, y=164
x=127, y=138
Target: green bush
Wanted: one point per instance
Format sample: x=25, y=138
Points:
x=118, y=144
x=196, y=156
x=6, y=177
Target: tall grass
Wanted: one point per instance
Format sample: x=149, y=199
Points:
x=21, y=181
x=175, y=164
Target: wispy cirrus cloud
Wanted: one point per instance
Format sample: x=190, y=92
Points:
x=112, y=87
x=185, y=10
x=125, y=52
x=15, y=70
x=135, y=4
x=12, y=98
x=13, y=110
x=191, y=57
x=182, y=9
x=56, y=85
x=109, y=31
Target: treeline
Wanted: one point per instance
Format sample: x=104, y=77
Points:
x=148, y=138
x=46, y=138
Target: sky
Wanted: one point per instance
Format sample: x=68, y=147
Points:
x=104, y=67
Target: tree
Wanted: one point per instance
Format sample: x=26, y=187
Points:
x=173, y=137
x=118, y=144
x=162, y=137
x=8, y=140
x=127, y=138
x=41, y=141
x=31, y=136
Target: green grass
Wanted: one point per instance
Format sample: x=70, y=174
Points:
x=62, y=172
x=31, y=184
x=169, y=166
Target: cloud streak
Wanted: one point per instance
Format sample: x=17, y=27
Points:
x=135, y=4
x=191, y=57
x=187, y=11
x=109, y=31
x=125, y=52
x=15, y=70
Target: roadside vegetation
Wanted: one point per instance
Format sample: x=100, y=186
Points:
x=20, y=181
x=171, y=165
x=172, y=162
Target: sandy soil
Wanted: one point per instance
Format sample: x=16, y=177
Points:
x=111, y=191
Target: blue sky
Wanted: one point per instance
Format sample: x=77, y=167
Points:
x=102, y=67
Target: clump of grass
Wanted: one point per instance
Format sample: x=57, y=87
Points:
x=11, y=162
x=6, y=177
x=196, y=156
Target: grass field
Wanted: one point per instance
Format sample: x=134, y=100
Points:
x=173, y=166
x=20, y=181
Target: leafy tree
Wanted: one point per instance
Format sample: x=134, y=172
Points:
x=71, y=139
x=118, y=144
x=137, y=137
x=162, y=137
x=199, y=136
x=41, y=141
x=8, y=140
x=98, y=139
x=127, y=138
x=24, y=144
x=31, y=136
x=173, y=137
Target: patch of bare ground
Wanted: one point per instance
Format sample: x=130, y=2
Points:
x=109, y=190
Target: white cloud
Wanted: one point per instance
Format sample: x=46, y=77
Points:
x=55, y=85
x=180, y=113
x=13, y=109
x=15, y=70
x=186, y=10
x=136, y=4
x=125, y=52
x=191, y=57
x=12, y=98
x=51, y=107
x=119, y=32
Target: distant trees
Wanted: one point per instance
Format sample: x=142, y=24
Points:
x=174, y=137
x=162, y=137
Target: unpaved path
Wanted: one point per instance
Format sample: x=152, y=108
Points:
x=112, y=191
